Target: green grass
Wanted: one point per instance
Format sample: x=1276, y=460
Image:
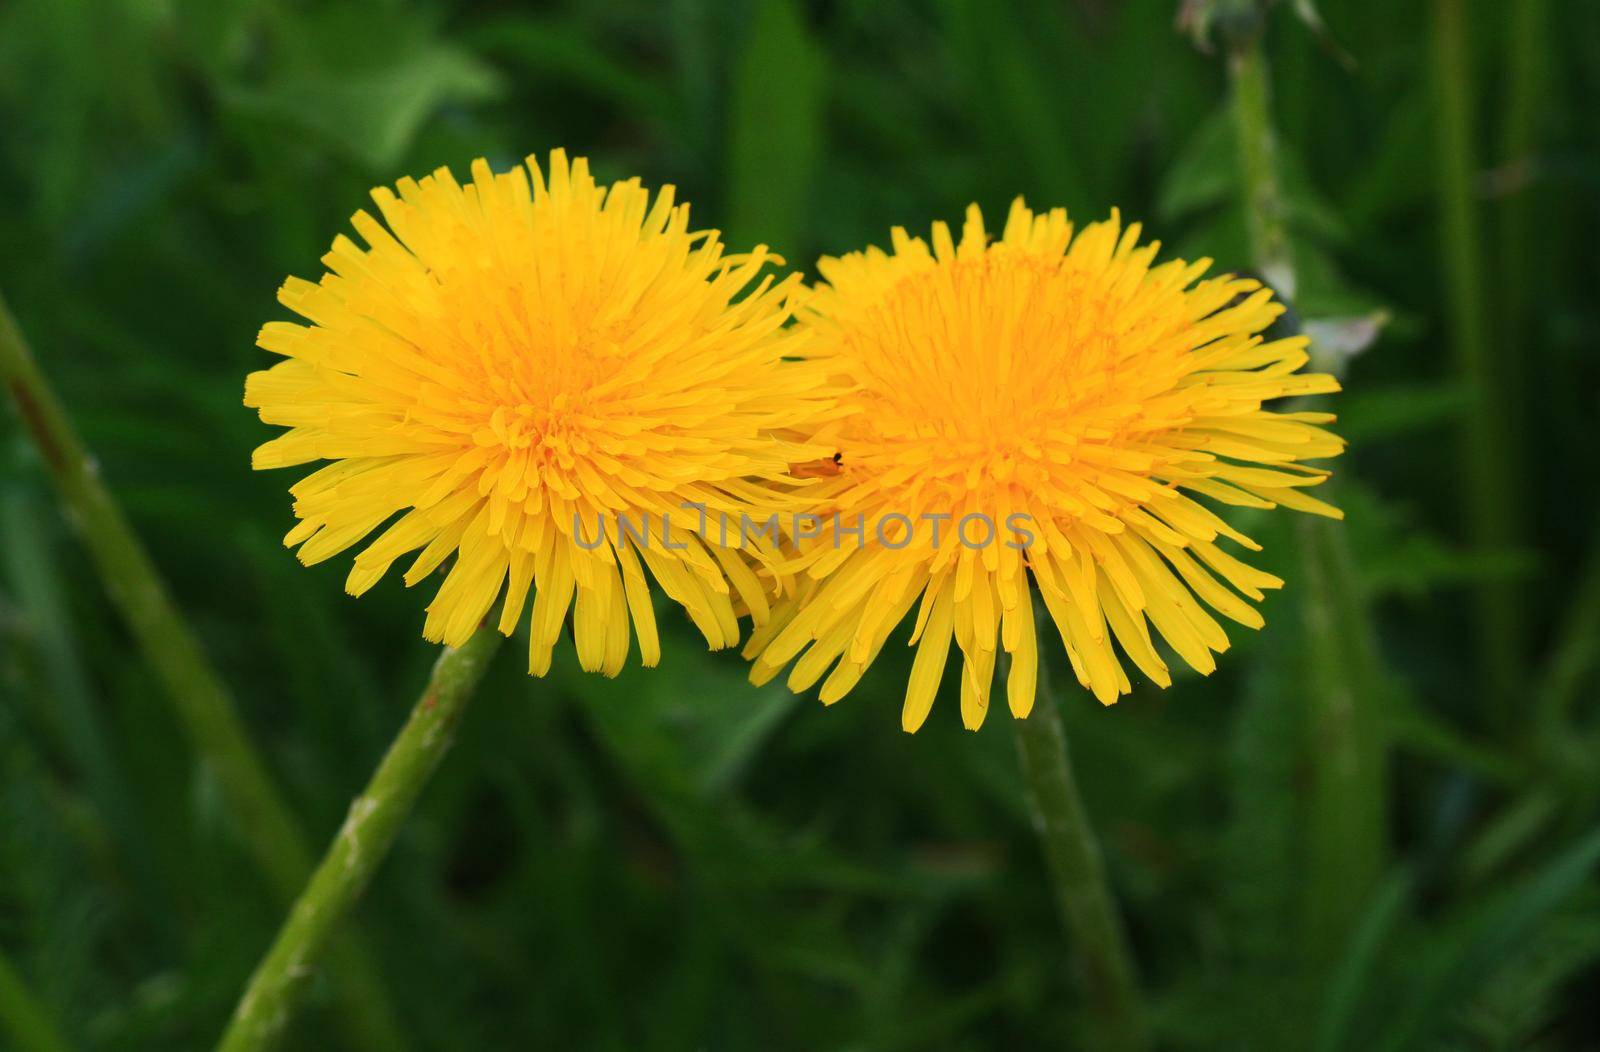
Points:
x=674, y=859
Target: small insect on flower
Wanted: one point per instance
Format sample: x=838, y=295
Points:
x=551, y=381
x=1044, y=408
x=819, y=469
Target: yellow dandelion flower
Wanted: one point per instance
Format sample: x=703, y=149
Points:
x=511, y=365
x=1043, y=406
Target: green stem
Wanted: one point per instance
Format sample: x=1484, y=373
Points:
x=375, y=818
x=1521, y=270
x=1346, y=805
x=22, y=1018
x=1527, y=61
x=1345, y=826
x=201, y=701
x=1489, y=493
x=1258, y=164
x=1077, y=870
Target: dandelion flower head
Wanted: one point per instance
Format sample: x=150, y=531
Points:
x=507, y=365
x=1050, y=408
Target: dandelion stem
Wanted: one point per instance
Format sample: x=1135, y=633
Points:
x=1345, y=827
x=1077, y=870
x=374, y=820
x=22, y=1018
x=1258, y=164
x=1487, y=469
x=1346, y=794
x=1521, y=268
x=201, y=701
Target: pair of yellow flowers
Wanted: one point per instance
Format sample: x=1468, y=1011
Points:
x=564, y=386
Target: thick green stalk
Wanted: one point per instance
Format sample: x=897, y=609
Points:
x=1077, y=870
x=23, y=1020
x=1521, y=269
x=1527, y=61
x=1346, y=806
x=1489, y=490
x=1258, y=164
x=201, y=701
x=375, y=818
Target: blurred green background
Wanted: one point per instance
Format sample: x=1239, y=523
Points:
x=1374, y=828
